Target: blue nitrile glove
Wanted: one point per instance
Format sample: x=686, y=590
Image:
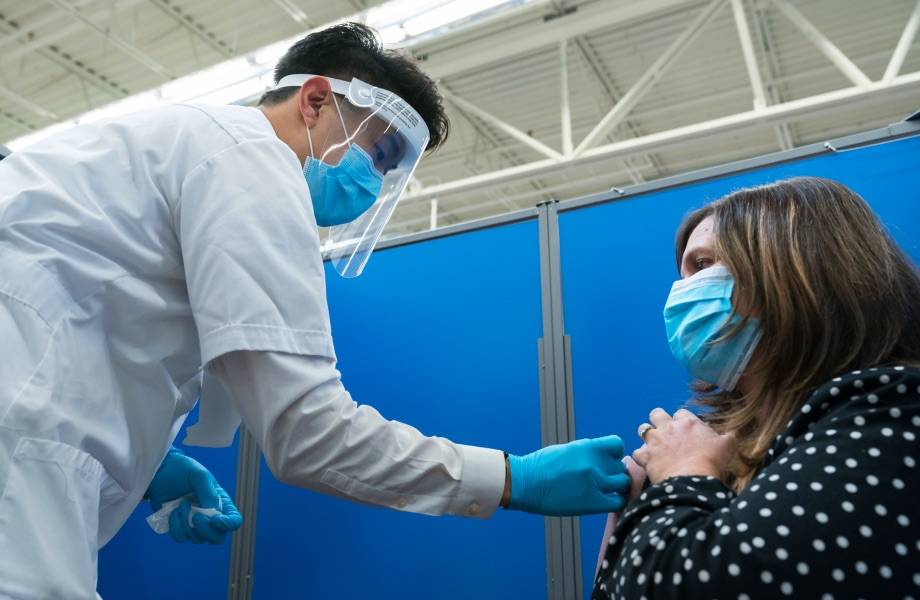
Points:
x=579, y=478
x=181, y=476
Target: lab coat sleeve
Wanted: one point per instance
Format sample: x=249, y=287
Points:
x=315, y=436
x=250, y=250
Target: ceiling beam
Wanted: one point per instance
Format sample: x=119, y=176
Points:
x=900, y=51
x=747, y=49
x=480, y=129
x=16, y=121
x=71, y=66
x=594, y=62
x=47, y=39
x=293, y=11
x=565, y=111
x=471, y=209
x=783, y=131
x=449, y=55
x=501, y=125
x=903, y=85
x=195, y=28
x=822, y=43
x=618, y=113
x=26, y=103
x=114, y=39
x=29, y=29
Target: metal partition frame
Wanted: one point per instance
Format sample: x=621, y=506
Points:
x=242, y=551
x=557, y=411
x=563, y=548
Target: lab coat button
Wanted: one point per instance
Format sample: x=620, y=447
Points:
x=474, y=508
x=402, y=503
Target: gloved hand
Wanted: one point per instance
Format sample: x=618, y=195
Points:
x=578, y=478
x=180, y=476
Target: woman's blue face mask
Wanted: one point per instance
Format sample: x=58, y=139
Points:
x=341, y=193
x=697, y=314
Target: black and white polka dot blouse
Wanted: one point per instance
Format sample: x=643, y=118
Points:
x=834, y=511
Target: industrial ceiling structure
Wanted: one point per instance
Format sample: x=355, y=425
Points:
x=548, y=99
x=62, y=58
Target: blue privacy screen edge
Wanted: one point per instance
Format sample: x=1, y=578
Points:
x=618, y=266
x=443, y=336
x=141, y=565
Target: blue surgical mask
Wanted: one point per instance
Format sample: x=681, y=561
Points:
x=698, y=312
x=342, y=193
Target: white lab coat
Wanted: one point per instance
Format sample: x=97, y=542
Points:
x=132, y=252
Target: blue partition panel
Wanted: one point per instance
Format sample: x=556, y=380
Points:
x=141, y=565
x=618, y=266
x=441, y=335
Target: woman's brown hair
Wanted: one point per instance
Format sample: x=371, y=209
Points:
x=828, y=288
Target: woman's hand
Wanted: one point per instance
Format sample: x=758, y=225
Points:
x=683, y=445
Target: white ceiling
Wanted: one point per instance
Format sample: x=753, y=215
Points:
x=607, y=56
x=65, y=57
x=53, y=66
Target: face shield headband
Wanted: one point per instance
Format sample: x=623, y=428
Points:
x=382, y=130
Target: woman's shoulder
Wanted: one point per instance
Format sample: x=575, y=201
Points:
x=895, y=381
x=875, y=404
x=868, y=391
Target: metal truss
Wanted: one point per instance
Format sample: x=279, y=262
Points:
x=114, y=39
x=767, y=106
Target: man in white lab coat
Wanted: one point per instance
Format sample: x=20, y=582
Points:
x=138, y=251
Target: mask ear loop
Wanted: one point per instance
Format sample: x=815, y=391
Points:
x=348, y=138
x=310, y=142
x=310, y=139
x=344, y=130
x=341, y=119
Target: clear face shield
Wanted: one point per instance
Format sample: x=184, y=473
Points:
x=379, y=140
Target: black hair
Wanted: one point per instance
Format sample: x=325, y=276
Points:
x=354, y=50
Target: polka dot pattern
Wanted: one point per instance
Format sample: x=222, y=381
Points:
x=830, y=513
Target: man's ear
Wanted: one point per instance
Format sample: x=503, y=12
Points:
x=313, y=93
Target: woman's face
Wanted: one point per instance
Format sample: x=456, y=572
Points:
x=700, y=252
